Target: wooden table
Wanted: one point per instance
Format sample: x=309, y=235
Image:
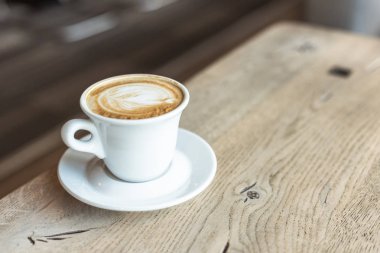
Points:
x=294, y=118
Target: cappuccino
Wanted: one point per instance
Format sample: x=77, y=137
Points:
x=134, y=98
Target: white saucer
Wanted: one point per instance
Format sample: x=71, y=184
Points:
x=86, y=178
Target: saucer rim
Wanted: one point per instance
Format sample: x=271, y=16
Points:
x=149, y=207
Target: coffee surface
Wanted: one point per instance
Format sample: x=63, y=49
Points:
x=134, y=99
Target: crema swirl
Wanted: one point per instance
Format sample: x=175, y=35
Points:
x=134, y=99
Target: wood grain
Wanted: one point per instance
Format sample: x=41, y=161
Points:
x=298, y=160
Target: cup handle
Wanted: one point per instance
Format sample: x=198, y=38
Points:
x=93, y=145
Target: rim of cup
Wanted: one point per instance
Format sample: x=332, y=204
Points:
x=176, y=111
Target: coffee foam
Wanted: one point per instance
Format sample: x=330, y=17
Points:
x=134, y=99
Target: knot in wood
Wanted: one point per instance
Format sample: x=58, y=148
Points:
x=253, y=194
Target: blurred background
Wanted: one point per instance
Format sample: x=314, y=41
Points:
x=51, y=50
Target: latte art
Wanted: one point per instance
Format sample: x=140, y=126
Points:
x=134, y=100
x=134, y=96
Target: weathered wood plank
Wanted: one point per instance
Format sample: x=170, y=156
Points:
x=298, y=163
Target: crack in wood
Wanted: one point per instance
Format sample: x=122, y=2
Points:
x=339, y=71
x=70, y=232
x=225, y=249
x=248, y=188
x=31, y=240
x=56, y=237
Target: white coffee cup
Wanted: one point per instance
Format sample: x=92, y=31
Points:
x=133, y=150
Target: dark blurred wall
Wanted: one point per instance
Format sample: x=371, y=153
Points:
x=356, y=15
